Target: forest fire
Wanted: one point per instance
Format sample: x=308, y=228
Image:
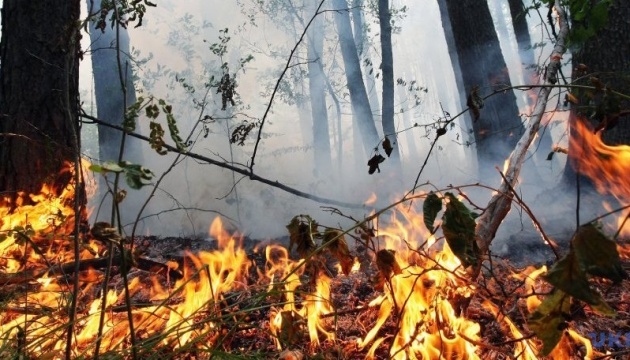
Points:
x=606, y=166
x=417, y=305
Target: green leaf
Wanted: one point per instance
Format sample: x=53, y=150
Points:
x=459, y=230
x=108, y=166
x=136, y=176
x=597, y=254
x=548, y=321
x=431, y=207
x=568, y=276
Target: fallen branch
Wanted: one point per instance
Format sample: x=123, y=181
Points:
x=86, y=264
x=236, y=169
x=500, y=203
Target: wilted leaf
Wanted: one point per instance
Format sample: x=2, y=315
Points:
x=387, y=146
x=386, y=263
x=475, y=102
x=290, y=327
x=374, y=162
x=548, y=321
x=431, y=207
x=597, y=254
x=459, y=231
x=568, y=276
x=338, y=247
x=302, y=230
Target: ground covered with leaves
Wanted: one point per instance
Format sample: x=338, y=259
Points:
x=506, y=287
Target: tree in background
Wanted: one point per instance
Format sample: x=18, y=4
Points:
x=361, y=110
x=387, y=65
x=39, y=80
x=317, y=91
x=497, y=127
x=113, y=82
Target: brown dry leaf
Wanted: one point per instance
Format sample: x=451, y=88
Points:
x=386, y=263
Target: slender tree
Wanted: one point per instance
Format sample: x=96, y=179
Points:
x=361, y=110
x=387, y=66
x=498, y=126
x=39, y=76
x=317, y=91
x=113, y=82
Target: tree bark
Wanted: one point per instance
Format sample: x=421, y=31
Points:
x=317, y=91
x=110, y=99
x=387, y=66
x=605, y=55
x=361, y=110
x=482, y=65
x=39, y=85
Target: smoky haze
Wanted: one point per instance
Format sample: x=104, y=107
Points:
x=175, y=58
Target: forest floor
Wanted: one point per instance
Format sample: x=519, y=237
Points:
x=351, y=293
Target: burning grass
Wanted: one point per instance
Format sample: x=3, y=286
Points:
x=414, y=300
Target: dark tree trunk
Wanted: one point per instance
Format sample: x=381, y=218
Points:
x=358, y=95
x=38, y=95
x=523, y=38
x=317, y=90
x=606, y=56
x=482, y=65
x=387, y=66
x=108, y=87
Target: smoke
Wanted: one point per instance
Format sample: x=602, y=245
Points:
x=174, y=53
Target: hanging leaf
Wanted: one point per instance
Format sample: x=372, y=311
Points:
x=386, y=263
x=136, y=175
x=597, y=254
x=568, y=276
x=374, y=162
x=431, y=207
x=459, y=231
x=548, y=321
x=475, y=102
x=338, y=247
x=387, y=146
x=302, y=230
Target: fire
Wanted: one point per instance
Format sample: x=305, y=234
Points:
x=607, y=166
x=420, y=297
x=419, y=303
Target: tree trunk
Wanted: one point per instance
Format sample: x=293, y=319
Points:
x=108, y=87
x=317, y=90
x=387, y=66
x=498, y=127
x=523, y=40
x=606, y=56
x=38, y=95
x=361, y=111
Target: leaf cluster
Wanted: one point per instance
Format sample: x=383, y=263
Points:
x=458, y=226
x=136, y=175
x=123, y=12
x=592, y=254
x=304, y=232
x=153, y=109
